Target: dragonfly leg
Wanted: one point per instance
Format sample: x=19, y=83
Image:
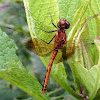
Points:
x=49, y=41
x=47, y=31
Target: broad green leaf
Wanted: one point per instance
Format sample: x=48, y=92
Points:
x=67, y=9
x=11, y=69
x=39, y=15
x=84, y=71
x=85, y=74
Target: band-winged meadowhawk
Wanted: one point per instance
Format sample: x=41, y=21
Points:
x=60, y=44
x=42, y=48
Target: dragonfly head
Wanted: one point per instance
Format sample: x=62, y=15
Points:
x=63, y=23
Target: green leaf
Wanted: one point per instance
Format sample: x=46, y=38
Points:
x=84, y=71
x=11, y=69
x=40, y=15
x=97, y=81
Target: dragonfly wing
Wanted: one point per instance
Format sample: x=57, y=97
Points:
x=39, y=47
x=58, y=57
x=71, y=47
x=69, y=50
x=82, y=52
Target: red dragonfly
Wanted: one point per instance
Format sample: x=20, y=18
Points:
x=41, y=48
x=59, y=42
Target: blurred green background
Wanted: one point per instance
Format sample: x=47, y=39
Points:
x=13, y=22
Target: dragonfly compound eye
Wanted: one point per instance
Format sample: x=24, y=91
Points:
x=67, y=26
x=63, y=23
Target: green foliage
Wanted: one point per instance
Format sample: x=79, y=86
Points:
x=84, y=65
x=12, y=69
x=84, y=73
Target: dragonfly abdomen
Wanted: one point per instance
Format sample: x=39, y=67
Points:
x=54, y=53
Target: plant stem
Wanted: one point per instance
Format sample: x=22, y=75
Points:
x=56, y=98
x=73, y=93
x=56, y=90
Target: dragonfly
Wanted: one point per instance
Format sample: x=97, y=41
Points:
x=60, y=40
x=59, y=44
x=42, y=48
